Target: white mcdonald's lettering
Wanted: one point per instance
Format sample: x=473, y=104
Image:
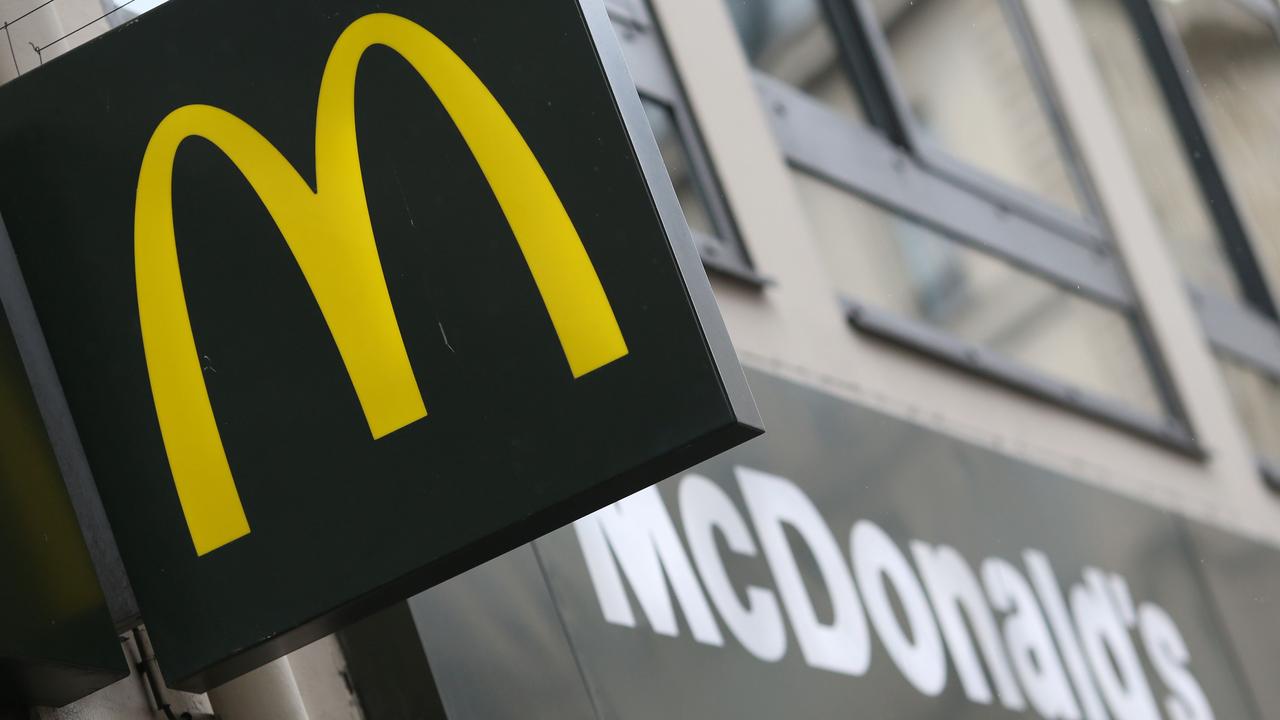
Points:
x=1099, y=674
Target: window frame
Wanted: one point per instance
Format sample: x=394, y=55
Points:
x=656, y=80
x=889, y=163
x=1173, y=72
x=1248, y=332
x=859, y=32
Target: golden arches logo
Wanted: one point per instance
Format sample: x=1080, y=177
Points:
x=329, y=232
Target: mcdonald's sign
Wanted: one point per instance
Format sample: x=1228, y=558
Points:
x=345, y=298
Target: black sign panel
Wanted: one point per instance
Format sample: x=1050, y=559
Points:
x=348, y=296
x=57, y=643
x=847, y=565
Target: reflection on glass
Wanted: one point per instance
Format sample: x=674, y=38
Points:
x=967, y=81
x=1158, y=154
x=1235, y=56
x=791, y=40
x=911, y=271
x=1257, y=400
x=675, y=154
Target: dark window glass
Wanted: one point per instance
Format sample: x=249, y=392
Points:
x=792, y=41
x=675, y=153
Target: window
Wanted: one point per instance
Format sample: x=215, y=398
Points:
x=1194, y=86
x=793, y=42
x=951, y=210
x=679, y=161
x=673, y=127
x=1257, y=399
x=908, y=270
x=965, y=77
x=1164, y=168
x=1234, y=51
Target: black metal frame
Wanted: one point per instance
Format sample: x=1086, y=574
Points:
x=656, y=80
x=892, y=164
x=1248, y=333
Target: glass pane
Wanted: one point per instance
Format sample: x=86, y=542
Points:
x=1257, y=400
x=909, y=270
x=1236, y=59
x=967, y=82
x=675, y=154
x=791, y=40
x=1158, y=153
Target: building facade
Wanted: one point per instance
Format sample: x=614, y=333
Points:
x=1039, y=230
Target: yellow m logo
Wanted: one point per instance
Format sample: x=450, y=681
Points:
x=330, y=235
